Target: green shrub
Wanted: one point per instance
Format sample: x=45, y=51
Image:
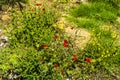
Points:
x=33, y=28
x=28, y=63
x=103, y=49
x=33, y=64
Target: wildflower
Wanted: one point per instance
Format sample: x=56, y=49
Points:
x=88, y=60
x=62, y=72
x=74, y=59
x=55, y=36
x=43, y=9
x=45, y=46
x=65, y=43
x=38, y=4
x=74, y=54
x=56, y=65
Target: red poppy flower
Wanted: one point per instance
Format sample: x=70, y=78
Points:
x=55, y=36
x=88, y=60
x=62, y=72
x=65, y=45
x=43, y=9
x=38, y=4
x=56, y=65
x=65, y=42
x=74, y=59
x=45, y=46
x=74, y=54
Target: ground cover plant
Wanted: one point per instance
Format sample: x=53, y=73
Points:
x=35, y=27
x=39, y=51
x=99, y=11
x=94, y=17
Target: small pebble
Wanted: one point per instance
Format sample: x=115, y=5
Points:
x=1, y=44
x=0, y=30
x=68, y=79
x=52, y=49
x=4, y=39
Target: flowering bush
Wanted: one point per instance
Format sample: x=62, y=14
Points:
x=33, y=28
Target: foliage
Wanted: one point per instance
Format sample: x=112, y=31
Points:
x=35, y=28
x=114, y=3
x=104, y=50
x=102, y=47
x=98, y=11
x=62, y=55
x=86, y=23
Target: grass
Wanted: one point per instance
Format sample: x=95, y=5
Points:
x=39, y=51
x=99, y=11
x=87, y=23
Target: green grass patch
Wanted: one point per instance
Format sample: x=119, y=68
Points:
x=86, y=23
x=99, y=11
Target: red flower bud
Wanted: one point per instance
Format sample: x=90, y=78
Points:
x=74, y=54
x=65, y=42
x=45, y=46
x=56, y=65
x=65, y=45
x=55, y=36
x=62, y=72
x=43, y=9
x=74, y=59
x=88, y=60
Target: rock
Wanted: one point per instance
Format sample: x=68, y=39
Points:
x=79, y=1
x=3, y=42
x=0, y=30
x=5, y=17
x=11, y=75
x=80, y=36
x=4, y=39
